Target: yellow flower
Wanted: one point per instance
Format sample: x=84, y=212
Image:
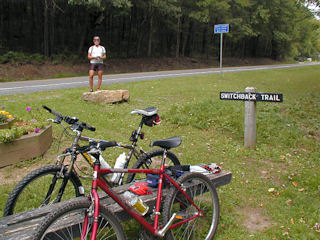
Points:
x=10, y=116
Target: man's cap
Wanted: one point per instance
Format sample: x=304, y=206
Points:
x=96, y=38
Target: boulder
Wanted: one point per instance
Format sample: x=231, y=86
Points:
x=106, y=96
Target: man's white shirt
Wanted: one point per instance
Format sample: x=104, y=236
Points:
x=96, y=51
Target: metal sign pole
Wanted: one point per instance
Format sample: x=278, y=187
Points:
x=221, y=28
x=221, y=46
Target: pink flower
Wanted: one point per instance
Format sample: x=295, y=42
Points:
x=36, y=130
x=28, y=109
x=33, y=120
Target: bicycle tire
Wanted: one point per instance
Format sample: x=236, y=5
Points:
x=71, y=215
x=149, y=158
x=202, y=191
x=36, y=177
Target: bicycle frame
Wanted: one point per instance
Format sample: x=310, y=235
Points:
x=132, y=148
x=99, y=182
x=87, y=157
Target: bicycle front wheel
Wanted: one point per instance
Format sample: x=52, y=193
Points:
x=41, y=187
x=202, y=191
x=152, y=160
x=68, y=223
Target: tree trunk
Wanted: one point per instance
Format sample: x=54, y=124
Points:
x=178, y=38
x=207, y=41
x=204, y=39
x=150, y=32
x=83, y=33
x=131, y=26
x=45, y=30
x=52, y=33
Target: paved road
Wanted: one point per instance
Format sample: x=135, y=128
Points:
x=63, y=83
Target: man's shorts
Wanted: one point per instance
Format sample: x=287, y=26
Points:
x=96, y=66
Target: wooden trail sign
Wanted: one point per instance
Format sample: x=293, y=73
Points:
x=251, y=97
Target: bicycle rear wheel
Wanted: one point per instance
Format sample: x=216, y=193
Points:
x=152, y=160
x=68, y=221
x=202, y=191
x=41, y=187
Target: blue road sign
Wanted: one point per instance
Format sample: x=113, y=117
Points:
x=221, y=28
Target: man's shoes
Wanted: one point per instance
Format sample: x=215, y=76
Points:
x=91, y=90
x=98, y=89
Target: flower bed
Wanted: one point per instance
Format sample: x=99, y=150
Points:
x=26, y=147
x=6, y=119
x=23, y=139
x=7, y=124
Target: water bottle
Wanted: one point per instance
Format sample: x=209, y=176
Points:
x=120, y=162
x=103, y=163
x=136, y=202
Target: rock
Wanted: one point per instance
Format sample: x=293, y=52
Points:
x=106, y=96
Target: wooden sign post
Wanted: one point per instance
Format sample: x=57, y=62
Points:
x=250, y=121
x=250, y=96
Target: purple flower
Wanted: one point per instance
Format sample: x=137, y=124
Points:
x=2, y=107
x=37, y=108
x=36, y=130
x=33, y=120
x=28, y=109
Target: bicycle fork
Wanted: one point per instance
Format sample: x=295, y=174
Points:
x=94, y=197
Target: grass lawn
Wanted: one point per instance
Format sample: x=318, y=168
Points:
x=275, y=190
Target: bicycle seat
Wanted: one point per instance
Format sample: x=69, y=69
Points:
x=167, y=143
x=149, y=111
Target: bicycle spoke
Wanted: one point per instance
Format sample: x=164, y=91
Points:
x=58, y=236
x=192, y=231
x=202, y=192
x=106, y=233
x=80, y=228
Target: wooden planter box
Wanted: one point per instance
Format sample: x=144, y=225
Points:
x=26, y=147
x=8, y=124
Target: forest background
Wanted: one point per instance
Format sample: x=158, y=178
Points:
x=36, y=31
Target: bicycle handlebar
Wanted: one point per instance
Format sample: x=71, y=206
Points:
x=51, y=111
x=104, y=144
x=70, y=120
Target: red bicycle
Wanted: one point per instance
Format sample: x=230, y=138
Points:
x=190, y=209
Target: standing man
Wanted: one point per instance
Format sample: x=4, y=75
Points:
x=96, y=54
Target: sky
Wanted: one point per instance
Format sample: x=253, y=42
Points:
x=314, y=9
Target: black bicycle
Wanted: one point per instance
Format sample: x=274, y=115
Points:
x=55, y=183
